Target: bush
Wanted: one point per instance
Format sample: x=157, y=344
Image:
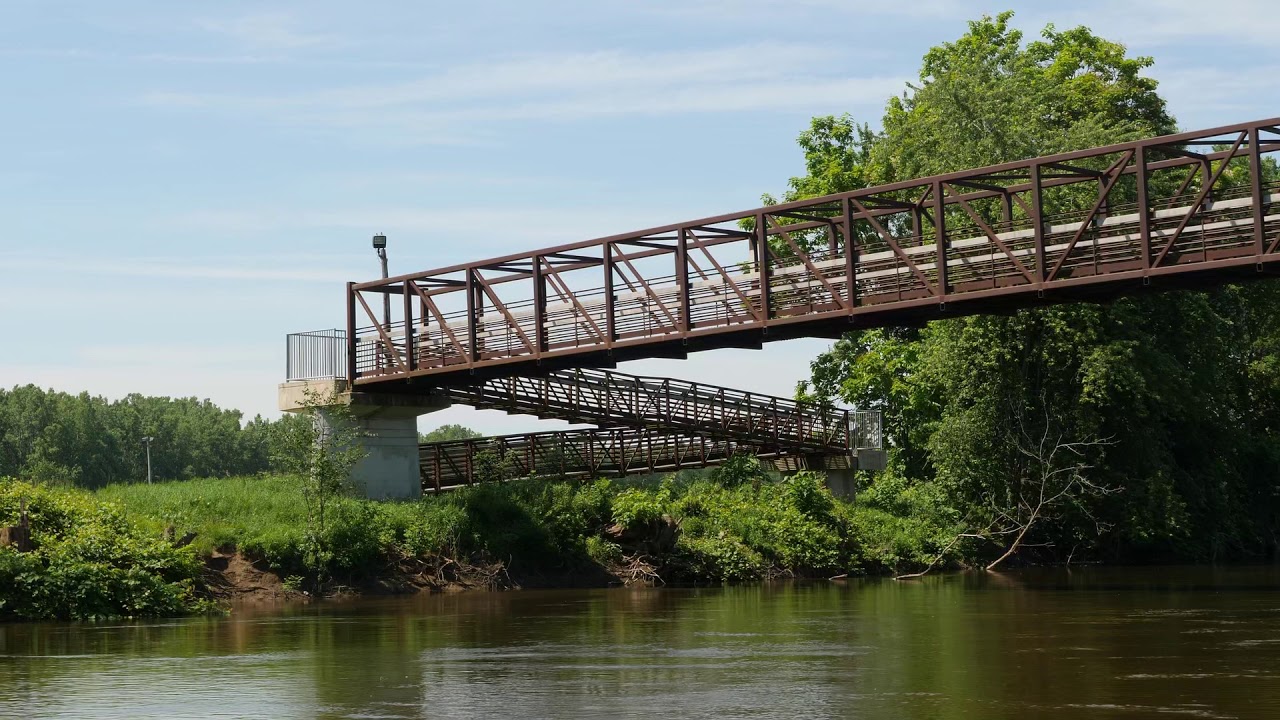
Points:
x=89, y=561
x=603, y=552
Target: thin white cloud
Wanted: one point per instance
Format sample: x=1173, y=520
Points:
x=1207, y=95
x=806, y=11
x=483, y=227
x=1166, y=22
x=461, y=102
x=266, y=31
x=177, y=267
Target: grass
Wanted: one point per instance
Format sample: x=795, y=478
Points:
x=223, y=512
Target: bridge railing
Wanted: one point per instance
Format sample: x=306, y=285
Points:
x=1002, y=236
x=316, y=355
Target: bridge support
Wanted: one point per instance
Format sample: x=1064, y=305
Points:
x=842, y=471
x=389, y=423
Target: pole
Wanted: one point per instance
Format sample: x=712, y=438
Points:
x=147, y=441
x=386, y=297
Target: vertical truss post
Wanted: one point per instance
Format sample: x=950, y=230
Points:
x=473, y=318
x=682, y=279
x=1144, y=210
x=539, y=308
x=410, y=351
x=1037, y=207
x=424, y=314
x=850, y=254
x=1255, y=178
x=762, y=264
x=940, y=228
x=351, y=333
x=610, y=324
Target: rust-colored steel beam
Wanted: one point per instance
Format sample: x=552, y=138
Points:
x=1079, y=225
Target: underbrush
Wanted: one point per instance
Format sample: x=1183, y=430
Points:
x=89, y=560
x=115, y=554
x=733, y=525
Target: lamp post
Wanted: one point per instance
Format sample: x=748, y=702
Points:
x=147, y=441
x=380, y=246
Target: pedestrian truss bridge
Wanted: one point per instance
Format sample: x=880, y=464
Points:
x=535, y=332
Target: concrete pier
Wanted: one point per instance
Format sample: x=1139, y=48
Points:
x=389, y=424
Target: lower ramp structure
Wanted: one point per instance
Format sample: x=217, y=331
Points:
x=592, y=453
x=607, y=398
x=649, y=425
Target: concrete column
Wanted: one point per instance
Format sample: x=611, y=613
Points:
x=389, y=425
x=842, y=483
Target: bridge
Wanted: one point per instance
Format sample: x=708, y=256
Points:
x=1186, y=210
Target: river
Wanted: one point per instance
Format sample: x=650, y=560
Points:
x=1078, y=643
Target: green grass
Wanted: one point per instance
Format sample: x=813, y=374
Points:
x=224, y=512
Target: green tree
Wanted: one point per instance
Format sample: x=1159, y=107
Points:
x=320, y=451
x=445, y=433
x=1169, y=398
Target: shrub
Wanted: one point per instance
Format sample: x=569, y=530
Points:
x=603, y=552
x=89, y=561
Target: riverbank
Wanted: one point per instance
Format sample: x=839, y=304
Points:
x=251, y=537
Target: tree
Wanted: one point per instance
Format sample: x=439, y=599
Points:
x=320, y=453
x=1180, y=384
x=445, y=433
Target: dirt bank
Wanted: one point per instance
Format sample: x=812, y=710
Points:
x=234, y=577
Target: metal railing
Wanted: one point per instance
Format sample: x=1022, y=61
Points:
x=1091, y=224
x=316, y=355
x=866, y=430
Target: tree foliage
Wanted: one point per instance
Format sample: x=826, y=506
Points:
x=449, y=432
x=320, y=453
x=90, y=442
x=1170, y=398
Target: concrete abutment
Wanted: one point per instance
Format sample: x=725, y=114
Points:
x=387, y=422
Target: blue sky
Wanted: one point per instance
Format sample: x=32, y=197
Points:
x=183, y=184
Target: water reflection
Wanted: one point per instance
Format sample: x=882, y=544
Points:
x=1163, y=642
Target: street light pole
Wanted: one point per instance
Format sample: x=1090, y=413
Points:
x=147, y=441
x=380, y=245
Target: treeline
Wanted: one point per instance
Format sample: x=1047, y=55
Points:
x=87, y=441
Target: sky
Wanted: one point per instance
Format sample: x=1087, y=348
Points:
x=183, y=184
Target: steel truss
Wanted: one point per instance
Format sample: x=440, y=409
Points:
x=1170, y=211
x=612, y=399
x=592, y=453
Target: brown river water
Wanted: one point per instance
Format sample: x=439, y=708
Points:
x=1079, y=643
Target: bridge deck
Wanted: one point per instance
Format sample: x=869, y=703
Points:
x=1048, y=229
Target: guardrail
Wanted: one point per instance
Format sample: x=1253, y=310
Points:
x=316, y=355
